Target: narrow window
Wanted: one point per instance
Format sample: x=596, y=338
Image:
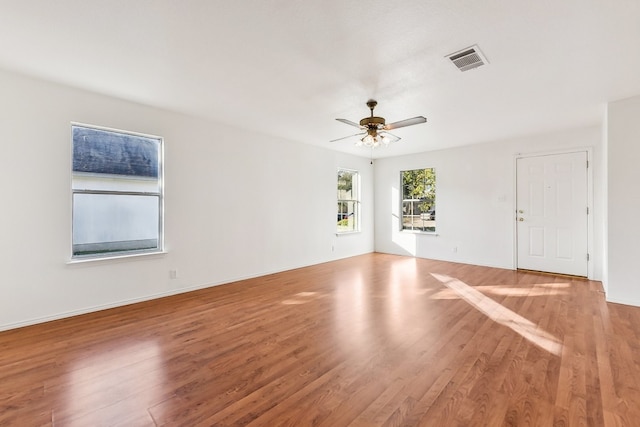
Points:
x=117, y=193
x=419, y=200
x=348, y=201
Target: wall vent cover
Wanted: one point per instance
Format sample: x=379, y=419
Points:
x=468, y=58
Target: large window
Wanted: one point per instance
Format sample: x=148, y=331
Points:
x=348, y=201
x=419, y=200
x=117, y=193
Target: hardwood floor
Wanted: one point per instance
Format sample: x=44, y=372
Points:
x=374, y=340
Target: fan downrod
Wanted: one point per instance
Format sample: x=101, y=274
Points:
x=372, y=104
x=372, y=122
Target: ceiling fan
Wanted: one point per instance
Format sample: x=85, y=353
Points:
x=375, y=130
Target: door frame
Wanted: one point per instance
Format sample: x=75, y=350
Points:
x=590, y=222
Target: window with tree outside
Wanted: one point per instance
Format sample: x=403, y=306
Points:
x=117, y=193
x=419, y=200
x=348, y=201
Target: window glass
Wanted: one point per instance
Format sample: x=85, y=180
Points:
x=419, y=200
x=348, y=201
x=117, y=192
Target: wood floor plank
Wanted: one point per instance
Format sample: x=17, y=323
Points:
x=373, y=340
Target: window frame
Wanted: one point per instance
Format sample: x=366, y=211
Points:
x=355, y=200
x=417, y=230
x=159, y=193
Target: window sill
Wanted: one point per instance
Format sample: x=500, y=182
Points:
x=115, y=257
x=346, y=233
x=426, y=233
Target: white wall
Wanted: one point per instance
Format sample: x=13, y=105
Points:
x=212, y=173
x=623, y=142
x=475, y=199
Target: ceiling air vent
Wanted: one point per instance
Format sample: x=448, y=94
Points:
x=468, y=58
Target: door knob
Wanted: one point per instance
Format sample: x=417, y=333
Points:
x=520, y=211
x=520, y=219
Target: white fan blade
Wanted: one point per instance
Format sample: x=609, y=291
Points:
x=350, y=136
x=406, y=122
x=349, y=122
x=391, y=137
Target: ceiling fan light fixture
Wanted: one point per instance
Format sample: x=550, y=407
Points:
x=373, y=140
x=375, y=129
x=368, y=141
x=388, y=138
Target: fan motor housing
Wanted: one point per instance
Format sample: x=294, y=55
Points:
x=372, y=122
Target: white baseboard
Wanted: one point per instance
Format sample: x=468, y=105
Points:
x=92, y=309
x=622, y=301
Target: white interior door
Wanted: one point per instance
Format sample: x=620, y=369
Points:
x=552, y=211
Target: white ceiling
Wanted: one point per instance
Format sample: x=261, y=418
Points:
x=288, y=68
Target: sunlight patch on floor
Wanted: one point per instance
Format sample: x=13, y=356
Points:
x=301, y=298
x=502, y=315
x=523, y=291
x=535, y=290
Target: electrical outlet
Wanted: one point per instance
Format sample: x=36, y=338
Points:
x=455, y=249
x=173, y=274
